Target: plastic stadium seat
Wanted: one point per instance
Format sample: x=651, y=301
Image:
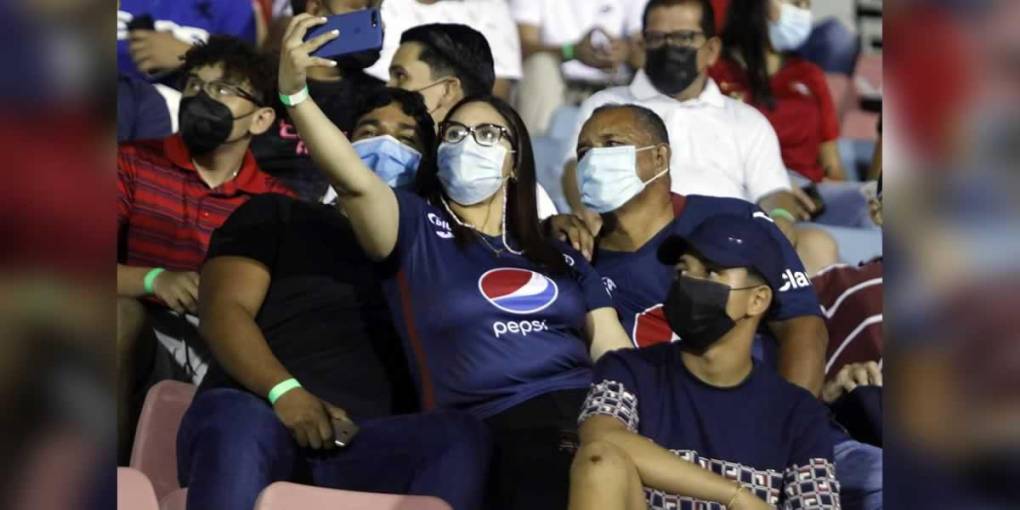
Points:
x=833, y=47
x=860, y=125
x=869, y=67
x=843, y=96
x=155, y=448
x=134, y=491
x=562, y=122
x=176, y=500
x=548, y=169
x=856, y=245
x=868, y=75
x=288, y=496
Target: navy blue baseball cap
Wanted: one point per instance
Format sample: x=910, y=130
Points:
x=730, y=241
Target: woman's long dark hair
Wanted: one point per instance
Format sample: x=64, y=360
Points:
x=522, y=213
x=747, y=35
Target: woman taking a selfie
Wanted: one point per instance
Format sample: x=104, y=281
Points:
x=497, y=320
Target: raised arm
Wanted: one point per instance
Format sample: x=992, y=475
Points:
x=370, y=204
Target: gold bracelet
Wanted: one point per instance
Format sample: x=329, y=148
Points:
x=736, y=493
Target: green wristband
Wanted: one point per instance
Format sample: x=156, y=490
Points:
x=567, y=50
x=295, y=98
x=280, y=389
x=779, y=212
x=150, y=278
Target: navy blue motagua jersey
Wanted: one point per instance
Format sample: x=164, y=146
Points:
x=486, y=329
x=640, y=282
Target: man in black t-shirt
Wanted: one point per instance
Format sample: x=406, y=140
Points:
x=339, y=91
x=294, y=314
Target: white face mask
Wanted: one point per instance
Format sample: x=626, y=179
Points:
x=609, y=177
x=792, y=29
x=470, y=172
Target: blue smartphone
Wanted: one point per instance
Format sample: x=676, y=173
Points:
x=359, y=31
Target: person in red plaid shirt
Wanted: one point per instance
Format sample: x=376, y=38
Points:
x=172, y=194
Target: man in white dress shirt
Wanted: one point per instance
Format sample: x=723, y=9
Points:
x=720, y=146
x=572, y=49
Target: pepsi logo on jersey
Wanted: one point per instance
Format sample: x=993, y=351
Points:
x=518, y=291
x=523, y=328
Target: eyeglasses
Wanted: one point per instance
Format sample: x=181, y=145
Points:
x=678, y=38
x=486, y=135
x=217, y=89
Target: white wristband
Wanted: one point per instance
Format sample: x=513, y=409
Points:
x=294, y=99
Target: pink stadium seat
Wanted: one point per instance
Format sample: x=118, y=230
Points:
x=155, y=449
x=860, y=125
x=134, y=490
x=843, y=96
x=288, y=496
x=176, y=500
x=869, y=70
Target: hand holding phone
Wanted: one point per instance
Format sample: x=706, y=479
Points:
x=344, y=431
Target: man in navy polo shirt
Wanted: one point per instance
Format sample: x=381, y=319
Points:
x=624, y=158
x=704, y=399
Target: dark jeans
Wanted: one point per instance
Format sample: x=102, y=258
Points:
x=534, y=443
x=231, y=445
x=858, y=470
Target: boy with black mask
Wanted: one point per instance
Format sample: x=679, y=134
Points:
x=339, y=90
x=704, y=399
x=172, y=193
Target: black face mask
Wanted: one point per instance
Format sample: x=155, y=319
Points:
x=671, y=68
x=696, y=311
x=205, y=123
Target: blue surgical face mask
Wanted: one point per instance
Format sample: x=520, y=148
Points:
x=609, y=177
x=394, y=162
x=792, y=29
x=470, y=172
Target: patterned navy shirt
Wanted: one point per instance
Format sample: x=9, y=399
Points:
x=766, y=433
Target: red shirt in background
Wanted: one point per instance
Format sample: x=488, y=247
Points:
x=720, y=7
x=165, y=211
x=804, y=116
x=851, y=299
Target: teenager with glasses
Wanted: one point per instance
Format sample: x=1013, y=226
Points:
x=499, y=321
x=172, y=193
